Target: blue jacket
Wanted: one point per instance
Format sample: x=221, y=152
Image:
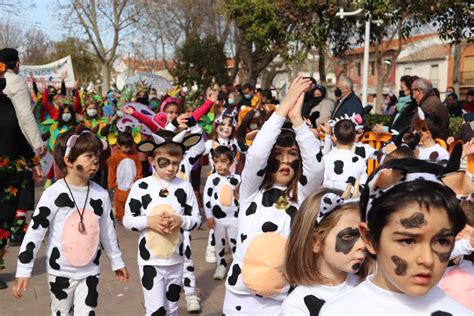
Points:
x=350, y=104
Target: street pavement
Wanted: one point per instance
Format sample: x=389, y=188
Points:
x=115, y=298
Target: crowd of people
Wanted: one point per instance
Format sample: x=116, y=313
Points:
x=310, y=228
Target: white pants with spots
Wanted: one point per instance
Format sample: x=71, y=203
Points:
x=225, y=229
x=250, y=304
x=73, y=297
x=189, y=278
x=161, y=288
x=211, y=239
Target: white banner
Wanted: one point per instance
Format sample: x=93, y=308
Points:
x=51, y=72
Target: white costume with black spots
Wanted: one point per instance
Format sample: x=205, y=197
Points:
x=370, y=299
x=434, y=153
x=72, y=259
x=158, y=253
x=263, y=228
x=342, y=166
x=308, y=299
x=220, y=203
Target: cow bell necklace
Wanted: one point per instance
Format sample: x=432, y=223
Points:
x=81, y=227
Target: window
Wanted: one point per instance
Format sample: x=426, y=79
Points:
x=358, y=66
x=372, y=68
x=407, y=71
x=434, y=75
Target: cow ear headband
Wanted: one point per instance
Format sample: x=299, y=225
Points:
x=71, y=142
x=407, y=170
x=185, y=141
x=232, y=116
x=356, y=119
x=329, y=202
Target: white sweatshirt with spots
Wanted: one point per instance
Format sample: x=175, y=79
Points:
x=147, y=198
x=342, y=166
x=218, y=203
x=70, y=253
x=263, y=228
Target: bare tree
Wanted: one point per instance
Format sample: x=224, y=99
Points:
x=37, y=47
x=11, y=35
x=104, y=23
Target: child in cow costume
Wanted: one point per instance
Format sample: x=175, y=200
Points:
x=161, y=207
x=77, y=213
x=282, y=168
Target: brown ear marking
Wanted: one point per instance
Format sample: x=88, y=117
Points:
x=146, y=146
x=459, y=182
x=389, y=148
x=387, y=177
x=191, y=140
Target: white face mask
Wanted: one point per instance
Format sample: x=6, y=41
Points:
x=253, y=126
x=66, y=117
x=119, y=113
x=92, y=112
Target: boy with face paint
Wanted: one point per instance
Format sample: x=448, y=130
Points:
x=341, y=165
x=409, y=223
x=325, y=255
x=161, y=207
x=221, y=205
x=77, y=213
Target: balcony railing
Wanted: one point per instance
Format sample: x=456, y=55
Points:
x=467, y=78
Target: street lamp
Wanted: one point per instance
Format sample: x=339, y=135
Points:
x=365, y=75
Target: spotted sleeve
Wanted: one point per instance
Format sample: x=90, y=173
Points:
x=311, y=156
x=44, y=213
x=207, y=195
x=108, y=236
x=192, y=219
x=257, y=155
x=135, y=218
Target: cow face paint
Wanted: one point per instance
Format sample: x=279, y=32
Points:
x=283, y=163
x=417, y=220
x=165, y=166
x=343, y=250
x=413, y=249
x=86, y=165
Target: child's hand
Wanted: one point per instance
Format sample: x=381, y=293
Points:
x=295, y=113
x=122, y=274
x=20, y=286
x=211, y=222
x=298, y=86
x=378, y=128
x=182, y=119
x=174, y=221
x=325, y=128
x=158, y=223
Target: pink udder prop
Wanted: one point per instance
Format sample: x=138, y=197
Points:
x=79, y=248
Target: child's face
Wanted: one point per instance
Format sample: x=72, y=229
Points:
x=222, y=165
x=285, y=163
x=171, y=112
x=85, y=166
x=165, y=166
x=414, y=250
x=224, y=129
x=343, y=249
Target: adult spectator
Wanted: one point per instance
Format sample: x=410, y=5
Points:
x=449, y=90
x=404, y=109
x=323, y=107
x=348, y=103
x=453, y=106
x=18, y=92
x=468, y=106
x=422, y=91
x=247, y=95
x=389, y=103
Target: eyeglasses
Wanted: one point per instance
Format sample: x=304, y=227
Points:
x=413, y=90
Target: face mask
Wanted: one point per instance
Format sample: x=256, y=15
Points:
x=318, y=99
x=401, y=93
x=66, y=117
x=247, y=96
x=230, y=101
x=143, y=100
x=119, y=113
x=253, y=126
x=447, y=93
x=92, y=112
x=338, y=92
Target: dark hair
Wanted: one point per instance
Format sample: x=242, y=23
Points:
x=61, y=112
x=452, y=95
x=400, y=153
x=86, y=142
x=125, y=139
x=322, y=89
x=408, y=80
x=344, y=130
x=436, y=92
x=426, y=193
x=267, y=93
x=172, y=149
x=247, y=86
x=60, y=148
x=434, y=125
x=470, y=93
x=222, y=150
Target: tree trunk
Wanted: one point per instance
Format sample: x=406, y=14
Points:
x=322, y=67
x=105, y=76
x=457, y=67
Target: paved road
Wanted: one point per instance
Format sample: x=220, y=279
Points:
x=115, y=298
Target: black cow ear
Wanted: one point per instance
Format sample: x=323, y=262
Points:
x=191, y=140
x=146, y=146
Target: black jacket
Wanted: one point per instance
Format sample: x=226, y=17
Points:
x=404, y=119
x=349, y=105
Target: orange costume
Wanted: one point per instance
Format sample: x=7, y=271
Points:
x=124, y=170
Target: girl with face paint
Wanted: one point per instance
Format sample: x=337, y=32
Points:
x=325, y=255
x=409, y=223
x=282, y=168
x=77, y=215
